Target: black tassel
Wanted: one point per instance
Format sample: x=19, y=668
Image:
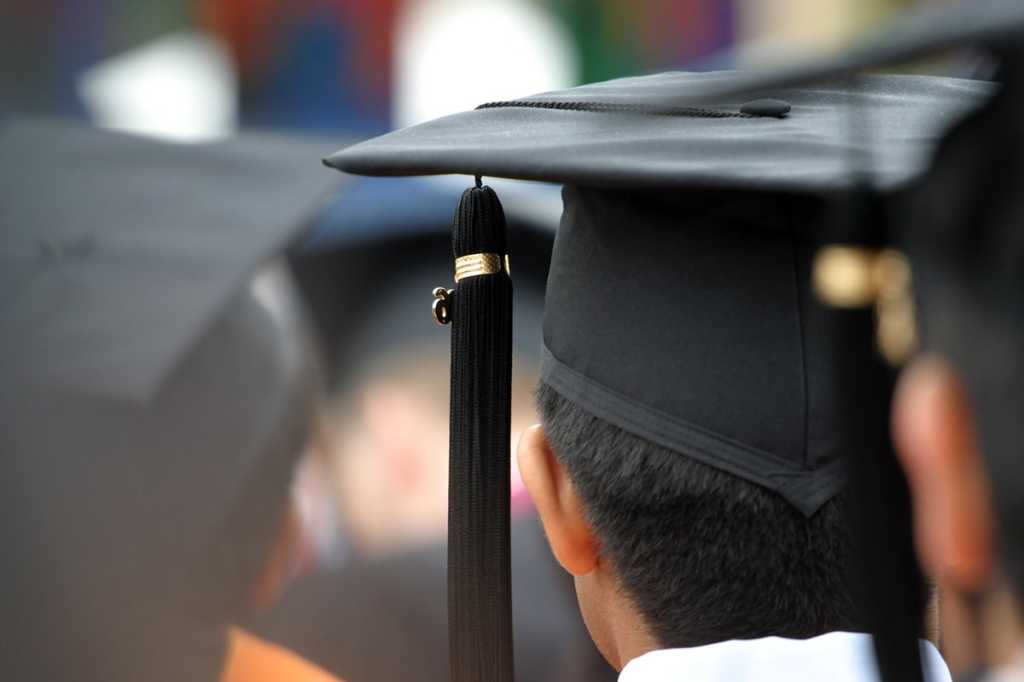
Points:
x=479, y=567
x=888, y=578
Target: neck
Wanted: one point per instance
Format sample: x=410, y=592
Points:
x=616, y=626
x=632, y=642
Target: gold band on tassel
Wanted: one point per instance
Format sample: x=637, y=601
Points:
x=476, y=264
x=855, y=277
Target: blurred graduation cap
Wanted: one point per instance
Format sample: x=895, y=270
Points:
x=105, y=235
x=159, y=388
x=403, y=226
x=679, y=304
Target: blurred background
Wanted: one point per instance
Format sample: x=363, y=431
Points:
x=200, y=69
x=374, y=491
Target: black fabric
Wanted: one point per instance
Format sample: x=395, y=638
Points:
x=479, y=469
x=889, y=580
x=809, y=150
x=693, y=328
x=384, y=619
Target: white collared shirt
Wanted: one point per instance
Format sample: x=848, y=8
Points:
x=835, y=657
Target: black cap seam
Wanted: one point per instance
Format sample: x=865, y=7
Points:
x=805, y=489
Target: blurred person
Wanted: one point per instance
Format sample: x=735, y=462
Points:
x=955, y=521
x=957, y=414
x=384, y=617
x=160, y=389
x=387, y=430
x=386, y=439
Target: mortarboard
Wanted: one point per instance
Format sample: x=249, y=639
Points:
x=158, y=389
x=678, y=304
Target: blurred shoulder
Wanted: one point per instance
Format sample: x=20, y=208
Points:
x=251, y=659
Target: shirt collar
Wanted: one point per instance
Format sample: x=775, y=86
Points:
x=837, y=657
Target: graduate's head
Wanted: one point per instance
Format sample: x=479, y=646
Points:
x=689, y=553
x=688, y=468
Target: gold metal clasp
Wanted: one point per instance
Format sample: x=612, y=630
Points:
x=856, y=277
x=476, y=264
x=440, y=308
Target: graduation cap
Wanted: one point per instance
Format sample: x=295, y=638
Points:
x=679, y=305
x=158, y=389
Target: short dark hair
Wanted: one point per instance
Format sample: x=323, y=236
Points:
x=704, y=555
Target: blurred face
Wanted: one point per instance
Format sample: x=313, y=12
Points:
x=390, y=468
x=389, y=453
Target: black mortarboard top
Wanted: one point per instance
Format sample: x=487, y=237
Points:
x=795, y=140
x=152, y=357
x=678, y=305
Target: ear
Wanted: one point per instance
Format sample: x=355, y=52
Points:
x=933, y=429
x=561, y=511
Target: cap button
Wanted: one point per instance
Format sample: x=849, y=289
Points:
x=776, y=108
